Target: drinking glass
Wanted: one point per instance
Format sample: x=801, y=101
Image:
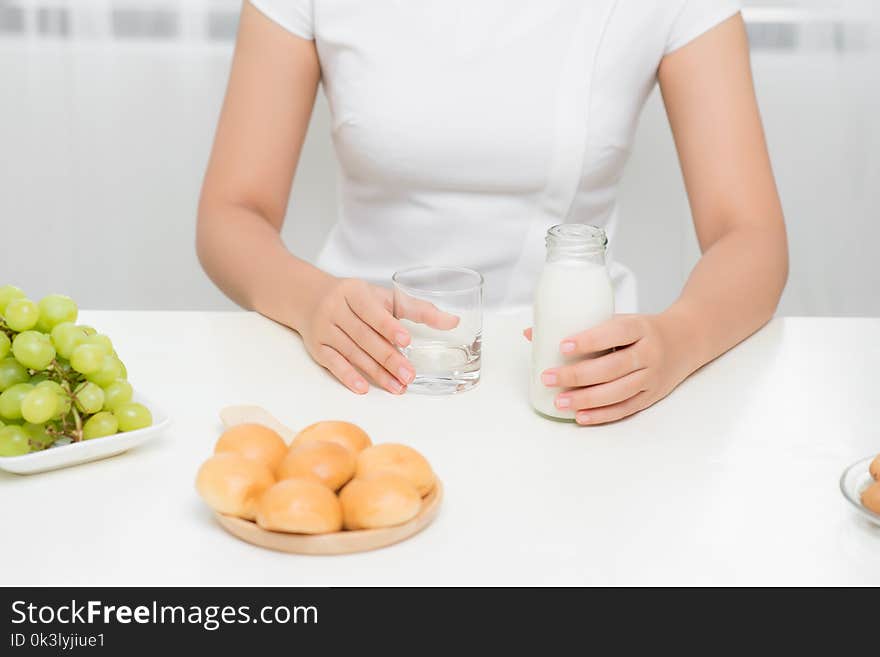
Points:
x=442, y=308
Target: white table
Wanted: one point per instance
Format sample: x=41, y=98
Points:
x=733, y=479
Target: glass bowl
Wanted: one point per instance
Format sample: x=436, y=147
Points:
x=853, y=481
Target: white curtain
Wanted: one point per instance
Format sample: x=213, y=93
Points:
x=107, y=110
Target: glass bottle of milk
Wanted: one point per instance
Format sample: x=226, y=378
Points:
x=574, y=293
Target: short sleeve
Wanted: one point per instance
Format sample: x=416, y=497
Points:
x=696, y=17
x=295, y=16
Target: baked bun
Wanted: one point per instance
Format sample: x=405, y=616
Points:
x=874, y=468
x=382, y=500
x=253, y=441
x=871, y=497
x=399, y=460
x=232, y=484
x=328, y=463
x=299, y=506
x=333, y=431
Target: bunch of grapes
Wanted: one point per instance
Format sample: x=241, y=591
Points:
x=59, y=382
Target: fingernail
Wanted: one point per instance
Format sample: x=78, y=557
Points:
x=405, y=375
x=563, y=402
x=549, y=379
x=583, y=418
x=401, y=338
x=567, y=347
x=360, y=385
x=395, y=386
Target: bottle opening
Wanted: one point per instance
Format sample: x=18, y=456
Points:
x=576, y=239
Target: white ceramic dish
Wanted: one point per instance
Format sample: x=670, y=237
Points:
x=87, y=450
x=854, y=480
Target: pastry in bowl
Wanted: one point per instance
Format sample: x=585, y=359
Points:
x=382, y=500
x=330, y=492
x=399, y=460
x=300, y=506
x=874, y=468
x=253, y=441
x=328, y=463
x=871, y=497
x=346, y=434
x=232, y=484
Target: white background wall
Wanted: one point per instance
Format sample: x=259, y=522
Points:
x=106, y=119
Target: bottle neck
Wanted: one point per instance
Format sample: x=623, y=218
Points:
x=576, y=243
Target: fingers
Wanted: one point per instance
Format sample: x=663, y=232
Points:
x=385, y=297
x=377, y=349
x=618, y=331
x=339, y=367
x=528, y=333
x=372, y=310
x=425, y=312
x=355, y=354
x=594, y=371
x=606, y=394
x=614, y=412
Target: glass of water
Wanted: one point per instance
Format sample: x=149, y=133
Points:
x=442, y=308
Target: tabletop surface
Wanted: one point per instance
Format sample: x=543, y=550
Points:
x=733, y=479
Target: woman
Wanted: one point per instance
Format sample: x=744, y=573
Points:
x=463, y=131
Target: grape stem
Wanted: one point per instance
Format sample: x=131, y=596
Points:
x=74, y=434
x=77, y=434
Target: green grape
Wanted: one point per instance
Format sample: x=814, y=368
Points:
x=100, y=425
x=100, y=340
x=109, y=372
x=7, y=294
x=13, y=441
x=38, y=436
x=55, y=309
x=124, y=370
x=22, y=314
x=5, y=345
x=12, y=372
x=61, y=393
x=87, y=358
x=66, y=337
x=38, y=378
x=39, y=405
x=33, y=350
x=10, y=400
x=117, y=393
x=89, y=397
x=133, y=416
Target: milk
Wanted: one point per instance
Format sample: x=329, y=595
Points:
x=574, y=293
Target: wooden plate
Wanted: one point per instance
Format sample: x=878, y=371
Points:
x=345, y=542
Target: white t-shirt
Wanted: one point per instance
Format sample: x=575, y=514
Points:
x=464, y=129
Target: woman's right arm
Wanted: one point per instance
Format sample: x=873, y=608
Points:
x=346, y=325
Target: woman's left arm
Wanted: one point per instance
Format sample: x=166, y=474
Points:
x=735, y=287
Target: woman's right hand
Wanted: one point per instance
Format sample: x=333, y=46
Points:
x=350, y=330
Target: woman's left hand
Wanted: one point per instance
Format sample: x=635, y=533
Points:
x=650, y=358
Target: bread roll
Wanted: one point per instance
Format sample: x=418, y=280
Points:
x=382, y=500
x=871, y=497
x=344, y=433
x=328, y=463
x=253, y=441
x=874, y=469
x=299, y=506
x=397, y=459
x=232, y=484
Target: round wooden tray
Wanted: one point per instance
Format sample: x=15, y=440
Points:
x=345, y=542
